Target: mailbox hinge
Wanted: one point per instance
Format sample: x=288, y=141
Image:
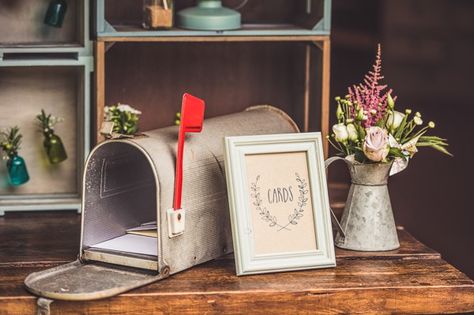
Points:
x=43, y=306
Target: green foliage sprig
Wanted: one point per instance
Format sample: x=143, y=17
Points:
x=47, y=123
x=124, y=117
x=10, y=141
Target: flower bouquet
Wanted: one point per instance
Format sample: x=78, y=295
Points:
x=371, y=130
x=10, y=141
x=376, y=141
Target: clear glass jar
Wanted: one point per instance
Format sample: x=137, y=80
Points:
x=158, y=14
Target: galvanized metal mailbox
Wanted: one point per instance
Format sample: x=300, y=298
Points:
x=130, y=182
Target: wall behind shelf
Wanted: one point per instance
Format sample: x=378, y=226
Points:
x=23, y=93
x=427, y=59
x=255, y=11
x=229, y=76
x=21, y=22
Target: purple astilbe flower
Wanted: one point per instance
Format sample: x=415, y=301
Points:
x=370, y=95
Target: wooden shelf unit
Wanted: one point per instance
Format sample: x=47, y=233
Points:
x=25, y=32
x=259, y=18
x=61, y=87
x=293, y=34
x=51, y=68
x=302, y=94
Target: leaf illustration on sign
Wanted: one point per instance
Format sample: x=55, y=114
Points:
x=268, y=217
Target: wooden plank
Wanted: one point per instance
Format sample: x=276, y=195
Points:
x=410, y=248
x=99, y=87
x=381, y=286
x=172, y=39
x=325, y=95
x=412, y=279
x=36, y=239
x=53, y=238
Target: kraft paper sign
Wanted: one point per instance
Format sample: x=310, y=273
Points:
x=280, y=203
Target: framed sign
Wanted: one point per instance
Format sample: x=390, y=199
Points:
x=279, y=203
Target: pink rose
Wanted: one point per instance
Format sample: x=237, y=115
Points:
x=376, y=146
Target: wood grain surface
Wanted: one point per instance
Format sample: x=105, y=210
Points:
x=412, y=279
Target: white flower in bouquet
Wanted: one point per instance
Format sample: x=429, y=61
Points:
x=409, y=147
x=376, y=146
x=394, y=120
x=352, y=132
x=340, y=132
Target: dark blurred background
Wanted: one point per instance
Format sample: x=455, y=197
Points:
x=428, y=59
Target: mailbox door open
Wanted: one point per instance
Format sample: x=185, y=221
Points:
x=120, y=192
x=128, y=183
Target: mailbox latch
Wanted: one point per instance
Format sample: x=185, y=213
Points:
x=176, y=220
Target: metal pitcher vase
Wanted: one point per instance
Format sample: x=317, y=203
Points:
x=367, y=222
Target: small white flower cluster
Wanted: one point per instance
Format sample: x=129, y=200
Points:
x=123, y=108
x=52, y=122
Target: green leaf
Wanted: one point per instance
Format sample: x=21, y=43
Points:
x=398, y=132
x=441, y=149
x=396, y=152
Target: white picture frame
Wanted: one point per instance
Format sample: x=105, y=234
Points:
x=266, y=176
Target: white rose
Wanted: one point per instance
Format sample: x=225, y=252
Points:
x=340, y=130
x=352, y=132
x=394, y=120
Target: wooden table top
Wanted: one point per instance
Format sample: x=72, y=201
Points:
x=412, y=279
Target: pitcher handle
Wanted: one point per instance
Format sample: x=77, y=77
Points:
x=334, y=220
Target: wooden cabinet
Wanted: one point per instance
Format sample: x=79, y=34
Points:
x=280, y=57
x=42, y=67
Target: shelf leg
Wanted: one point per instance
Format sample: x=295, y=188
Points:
x=99, y=87
x=326, y=64
x=307, y=87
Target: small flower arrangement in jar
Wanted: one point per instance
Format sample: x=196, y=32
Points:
x=124, y=118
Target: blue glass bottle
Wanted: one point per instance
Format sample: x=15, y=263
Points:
x=56, y=12
x=17, y=172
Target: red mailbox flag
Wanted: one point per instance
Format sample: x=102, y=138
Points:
x=192, y=117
